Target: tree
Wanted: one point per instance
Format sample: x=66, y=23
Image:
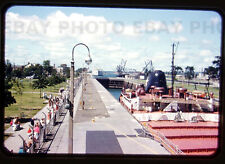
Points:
x=29, y=71
x=55, y=79
x=79, y=71
x=8, y=98
x=211, y=72
x=17, y=73
x=47, y=67
x=41, y=83
x=177, y=70
x=217, y=63
x=67, y=72
x=17, y=86
x=8, y=70
x=38, y=71
x=189, y=72
x=214, y=70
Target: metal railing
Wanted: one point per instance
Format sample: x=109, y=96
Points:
x=46, y=128
x=173, y=149
x=157, y=136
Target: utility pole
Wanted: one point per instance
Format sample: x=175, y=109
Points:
x=172, y=71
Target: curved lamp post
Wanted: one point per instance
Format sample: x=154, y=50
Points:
x=88, y=61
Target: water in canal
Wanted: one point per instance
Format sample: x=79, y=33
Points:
x=115, y=92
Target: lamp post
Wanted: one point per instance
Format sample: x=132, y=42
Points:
x=70, y=141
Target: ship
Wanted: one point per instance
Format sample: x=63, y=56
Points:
x=184, y=122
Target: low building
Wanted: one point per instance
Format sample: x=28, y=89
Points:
x=29, y=65
x=62, y=69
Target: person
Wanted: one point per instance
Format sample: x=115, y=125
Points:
x=29, y=132
x=29, y=144
x=21, y=150
x=36, y=131
x=43, y=122
x=37, y=127
x=16, y=124
x=32, y=121
x=11, y=122
x=48, y=117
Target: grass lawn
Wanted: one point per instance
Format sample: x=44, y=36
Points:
x=27, y=84
x=28, y=104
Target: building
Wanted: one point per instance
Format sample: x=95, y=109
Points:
x=29, y=65
x=62, y=69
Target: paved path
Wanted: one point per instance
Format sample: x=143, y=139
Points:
x=103, y=127
x=14, y=141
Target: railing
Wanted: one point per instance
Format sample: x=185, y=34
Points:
x=157, y=136
x=173, y=149
x=46, y=128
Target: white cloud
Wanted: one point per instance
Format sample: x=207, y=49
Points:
x=163, y=26
x=176, y=27
x=154, y=38
x=57, y=31
x=205, y=41
x=57, y=25
x=53, y=37
x=205, y=53
x=112, y=47
x=179, y=39
x=129, y=30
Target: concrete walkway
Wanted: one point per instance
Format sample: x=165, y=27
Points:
x=109, y=129
x=103, y=127
x=14, y=141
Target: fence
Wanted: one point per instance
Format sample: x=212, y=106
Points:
x=46, y=128
x=157, y=136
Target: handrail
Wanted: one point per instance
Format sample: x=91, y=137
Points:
x=173, y=149
x=164, y=141
x=47, y=128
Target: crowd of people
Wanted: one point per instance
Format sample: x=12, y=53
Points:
x=33, y=133
x=36, y=125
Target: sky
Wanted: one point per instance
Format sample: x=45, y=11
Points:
x=34, y=34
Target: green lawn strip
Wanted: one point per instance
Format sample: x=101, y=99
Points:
x=30, y=103
x=27, y=86
x=27, y=104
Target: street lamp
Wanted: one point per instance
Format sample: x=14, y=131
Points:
x=70, y=142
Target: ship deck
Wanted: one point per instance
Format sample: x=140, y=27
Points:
x=199, y=138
